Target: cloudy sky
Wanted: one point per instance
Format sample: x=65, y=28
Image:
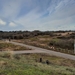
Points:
x=37, y=15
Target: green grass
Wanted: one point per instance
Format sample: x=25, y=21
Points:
x=27, y=65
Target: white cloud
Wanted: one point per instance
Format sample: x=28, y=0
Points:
x=2, y=22
x=12, y=24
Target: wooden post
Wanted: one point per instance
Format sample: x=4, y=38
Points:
x=47, y=62
x=9, y=39
x=40, y=59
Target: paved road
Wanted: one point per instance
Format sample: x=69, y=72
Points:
x=41, y=50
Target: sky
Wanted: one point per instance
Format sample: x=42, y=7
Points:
x=41, y=15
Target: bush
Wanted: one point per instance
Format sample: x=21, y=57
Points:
x=65, y=44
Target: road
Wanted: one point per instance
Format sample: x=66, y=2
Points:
x=41, y=50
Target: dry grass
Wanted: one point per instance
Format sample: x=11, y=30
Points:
x=11, y=47
x=3, y=63
x=7, y=54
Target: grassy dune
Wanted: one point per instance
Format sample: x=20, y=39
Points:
x=29, y=64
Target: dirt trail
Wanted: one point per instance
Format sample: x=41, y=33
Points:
x=41, y=50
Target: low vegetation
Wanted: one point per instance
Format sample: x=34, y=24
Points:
x=29, y=64
x=11, y=47
x=28, y=34
x=37, y=64
x=62, y=41
x=51, y=43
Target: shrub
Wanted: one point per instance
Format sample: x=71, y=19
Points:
x=65, y=44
